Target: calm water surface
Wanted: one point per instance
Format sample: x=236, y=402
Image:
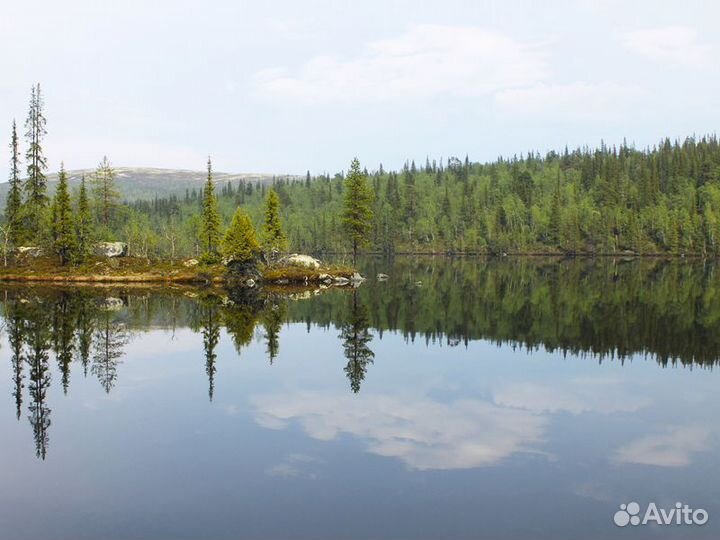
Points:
x=458, y=399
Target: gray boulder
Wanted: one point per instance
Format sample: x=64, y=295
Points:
x=296, y=259
x=111, y=249
x=28, y=251
x=382, y=277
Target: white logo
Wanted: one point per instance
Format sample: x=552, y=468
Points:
x=680, y=514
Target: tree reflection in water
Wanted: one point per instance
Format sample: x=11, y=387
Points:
x=356, y=337
x=606, y=308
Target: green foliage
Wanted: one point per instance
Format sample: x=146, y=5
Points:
x=63, y=225
x=106, y=195
x=273, y=236
x=240, y=243
x=660, y=200
x=13, y=203
x=357, y=214
x=141, y=237
x=210, y=217
x=610, y=200
x=35, y=186
x=84, y=223
x=356, y=340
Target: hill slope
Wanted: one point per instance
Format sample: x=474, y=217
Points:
x=146, y=183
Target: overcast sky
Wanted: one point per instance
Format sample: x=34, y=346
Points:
x=289, y=86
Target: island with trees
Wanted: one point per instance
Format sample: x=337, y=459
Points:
x=659, y=201
x=91, y=236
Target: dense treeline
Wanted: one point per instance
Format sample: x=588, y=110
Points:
x=664, y=200
x=660, y=200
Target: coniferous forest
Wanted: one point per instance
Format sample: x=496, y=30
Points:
x=605, y=200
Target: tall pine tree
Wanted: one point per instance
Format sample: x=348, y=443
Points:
x=357, y=216
x=210, y=218
x=63, y=226
x=36, y=182
x=13, y=203
x=83, y=223
x=106, y=194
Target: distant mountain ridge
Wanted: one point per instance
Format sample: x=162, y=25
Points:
x=148, y=183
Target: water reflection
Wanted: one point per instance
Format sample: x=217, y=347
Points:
x=422, y=433
x=607, y=308
x=325, y=401
x=272, y=321
x=356, y=339
x=211, y=337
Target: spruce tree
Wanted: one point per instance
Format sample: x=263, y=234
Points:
x=84, y=223
x=210, y=218
x=555, y=215
x=106, y=194
x=273, y=236
x=63, y=227
x=13, y=203
x=240, y=245
x=36, y=182
x=356, y=343
x=357, y=216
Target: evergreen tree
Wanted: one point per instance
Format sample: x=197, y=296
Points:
x=211, y=337
x=84, y=223
x=63, y=226
x=272, y=320
x=16, y=323
x=273, y=236
x=36, y=182
x=13, y=204
x=356, y=339
x=555, y=213
x=210, y=218
x=109, y=340
x=240, y=244
x=37, y=357
x=357, y=216
x=106, y=194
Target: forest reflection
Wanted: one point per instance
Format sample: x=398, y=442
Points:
x=606, y=308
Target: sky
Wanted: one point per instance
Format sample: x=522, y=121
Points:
x=290, y=86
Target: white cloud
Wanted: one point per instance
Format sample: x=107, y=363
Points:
x=425, y=61
x=678, y=46
x=576, y=396
x=673, y=448
x=294, y=465
x=422, y=433
x=575, y=101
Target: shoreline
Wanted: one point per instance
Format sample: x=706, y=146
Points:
x=161, y=273
x=128, y=271
x=549, y=254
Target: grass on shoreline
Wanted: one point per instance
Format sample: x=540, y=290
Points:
x=140, y=270
x=299, y=274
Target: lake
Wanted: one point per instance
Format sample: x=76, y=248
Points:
x=513, y=398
